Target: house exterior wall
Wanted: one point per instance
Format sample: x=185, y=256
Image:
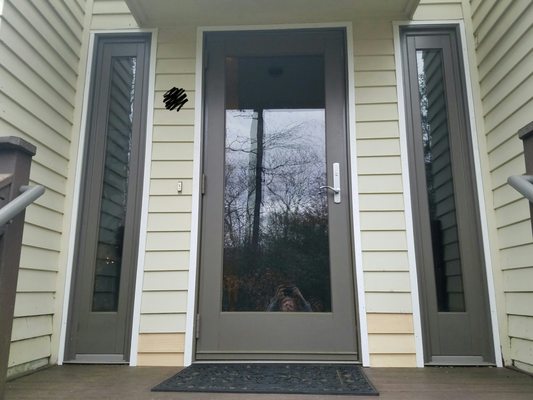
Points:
x=431, y=10
x=382, y=211
x=164, y=299
x=111, y=14
x=40, y=52
x=42, y=102
x=384, y=247
x=504, y=52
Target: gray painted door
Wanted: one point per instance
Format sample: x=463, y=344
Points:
x=449, y=252
x=276, y=271
x=107, y=237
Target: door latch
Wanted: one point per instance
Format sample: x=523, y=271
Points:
x=336, y=188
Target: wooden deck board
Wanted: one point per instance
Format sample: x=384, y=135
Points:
x=120, y=382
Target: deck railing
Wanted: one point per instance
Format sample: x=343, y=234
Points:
x=524, y=183
x=28, y=195
x=15, y=196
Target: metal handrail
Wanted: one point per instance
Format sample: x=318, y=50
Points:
x=523, y=184
x=19, y=203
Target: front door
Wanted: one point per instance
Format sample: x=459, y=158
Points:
x=276, y=271
x=108, y=227
x=449, y=251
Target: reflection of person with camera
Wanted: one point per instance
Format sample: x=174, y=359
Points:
x=288, y=298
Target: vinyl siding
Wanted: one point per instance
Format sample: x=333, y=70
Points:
x=40, y=46
x=429, y=10
x=165, y=291
x=111, y=14
x=504, y=49
x=382, y=212
x=161, y=349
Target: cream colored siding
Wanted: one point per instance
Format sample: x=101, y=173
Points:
x=504, y=50
x=164, y=300
x=111, y=14
x=40, y=46
x=382, y=217
x=161, y=349
x=439, y=10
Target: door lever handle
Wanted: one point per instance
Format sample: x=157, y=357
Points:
x=336, y=188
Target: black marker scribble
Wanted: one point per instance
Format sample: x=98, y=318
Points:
x=175, y=98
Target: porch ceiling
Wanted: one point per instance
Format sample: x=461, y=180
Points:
x=173, y=13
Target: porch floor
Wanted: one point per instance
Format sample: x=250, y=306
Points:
x=104, y=382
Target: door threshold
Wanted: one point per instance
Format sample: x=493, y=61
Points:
x=458, y=361
x=276, y=362
x=98, y=359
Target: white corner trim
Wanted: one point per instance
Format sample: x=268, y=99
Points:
x=478, y=177
x=76, y=203
x=136, y=321
x=194, y=250
x=408, y=210
x=482, y=204
x=356, y=214
x=197, y=169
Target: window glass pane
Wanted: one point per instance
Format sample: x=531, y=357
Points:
x=276, y=248
x=115, y=185
x=439, y=181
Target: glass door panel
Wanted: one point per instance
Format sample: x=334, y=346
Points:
x=276, y=246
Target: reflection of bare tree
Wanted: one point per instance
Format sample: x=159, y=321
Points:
x=278, y=171
x=271, y=195
x=235, y=211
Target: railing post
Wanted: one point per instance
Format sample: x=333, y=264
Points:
x=526, y=135
x=15, y=161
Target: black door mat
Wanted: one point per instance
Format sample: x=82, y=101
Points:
x=322, y=379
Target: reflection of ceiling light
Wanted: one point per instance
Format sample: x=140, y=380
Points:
x=275, y=72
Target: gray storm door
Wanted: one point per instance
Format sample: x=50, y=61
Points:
x=276, y=272
x=105, y=262
x=448, y=242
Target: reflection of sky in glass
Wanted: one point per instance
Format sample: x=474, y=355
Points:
x=294, y=164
